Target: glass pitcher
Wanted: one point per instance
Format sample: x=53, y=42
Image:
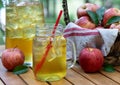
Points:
x=21, y=18
x=49, y=54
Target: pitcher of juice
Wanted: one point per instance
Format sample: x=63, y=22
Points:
x=21, y=18
x=49, y=54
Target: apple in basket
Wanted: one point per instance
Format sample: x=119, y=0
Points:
x=81, y=10
x=12, y=57
x=91, y=59
x=115, y=26
x=85, y=22
x=109, y=13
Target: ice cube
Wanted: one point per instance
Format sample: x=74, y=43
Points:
x=15, y=33
x=12, y=26
x=52, y=54
x=28, y=32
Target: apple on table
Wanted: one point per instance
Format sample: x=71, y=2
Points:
x=12, y=57
x=91, y=59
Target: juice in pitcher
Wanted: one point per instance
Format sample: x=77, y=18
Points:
x=21, y=19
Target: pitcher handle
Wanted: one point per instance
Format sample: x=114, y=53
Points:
x=71, y=62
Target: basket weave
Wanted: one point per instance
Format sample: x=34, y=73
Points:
x=114, y=55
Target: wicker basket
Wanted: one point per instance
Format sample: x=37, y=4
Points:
x=114, y=56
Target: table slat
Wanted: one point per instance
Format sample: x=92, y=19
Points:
x=117, y=68
x=30, y=79
x=75, y=76
x=97, y=78
x=77, y=79
x=9, y=78
x=61, y=82
x=115, y=76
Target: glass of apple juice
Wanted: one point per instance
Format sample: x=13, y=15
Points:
x=49, y=54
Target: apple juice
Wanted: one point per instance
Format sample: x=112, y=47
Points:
x=54, y=66
x=21, y=20
x=24, y=44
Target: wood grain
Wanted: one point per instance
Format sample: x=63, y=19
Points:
x=61, y=82
x=77, y=79
x=30, y=79
x=9, y=78
x=75, y=76
x=115, y=76
x=97, y=78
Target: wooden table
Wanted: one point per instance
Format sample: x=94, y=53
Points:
x=75, y=76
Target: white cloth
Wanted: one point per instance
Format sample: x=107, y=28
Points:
x=102, y=39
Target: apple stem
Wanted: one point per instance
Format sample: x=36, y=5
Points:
x=14, y=48
x=88, y=46
x=90, y=49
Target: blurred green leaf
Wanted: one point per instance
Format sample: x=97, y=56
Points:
x=93, y=17
x=113, y=20
x=20, y=69
x=100, y=12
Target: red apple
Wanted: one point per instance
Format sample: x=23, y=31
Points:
x=112, y=26
x=109, y=13
x=81, y=10
x=12, y=57
x=115, y=26
x=85, y=22
x=91, y=59
x=118, y=27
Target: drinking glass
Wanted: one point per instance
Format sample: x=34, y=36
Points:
x=21, y=18
x=49, y=54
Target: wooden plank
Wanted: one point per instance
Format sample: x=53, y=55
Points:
x=117, y=68
x=77, y=79
x=97, y=78
x=30, y=79
x=61, y=82
x=9, y=78
x=115, y=76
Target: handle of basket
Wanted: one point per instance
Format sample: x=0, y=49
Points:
x=65, y=10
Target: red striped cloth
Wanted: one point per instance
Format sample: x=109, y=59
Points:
x=102, y=39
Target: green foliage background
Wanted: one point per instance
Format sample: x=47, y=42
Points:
x=1, y=4
x=53, y=7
